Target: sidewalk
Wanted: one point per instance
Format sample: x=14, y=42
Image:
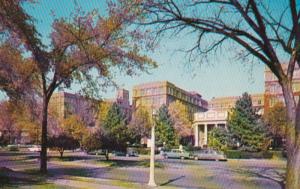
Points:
x=84, y=182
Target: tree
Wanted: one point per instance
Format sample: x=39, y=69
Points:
x=85, y=47
x=219, y=138
x=63, y=142
x=73, y=126
x=276, y=122
x=8, y=129
x=102, y=111
x=164, y=130
x=115, y=130
x=181, y=120
x=245, y=126
x=140, y=124
x=93, y=141
x=27, y=119
x=256, y=31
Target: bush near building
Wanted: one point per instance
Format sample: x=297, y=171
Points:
x=219, y=139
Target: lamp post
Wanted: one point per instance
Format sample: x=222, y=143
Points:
x=152, y=155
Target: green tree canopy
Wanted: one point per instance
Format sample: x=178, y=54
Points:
x=181, y=121
x=220, y=139
x=140, y=124
x=164, y=130
x=245, y=125
x=115, y=129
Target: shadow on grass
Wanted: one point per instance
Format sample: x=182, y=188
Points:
x=172, y=180
x=69, y=158
x=130, y=163
x=10, y=178
x=58, y=172
x=271, y=174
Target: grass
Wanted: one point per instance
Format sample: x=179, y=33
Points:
x=44, y=186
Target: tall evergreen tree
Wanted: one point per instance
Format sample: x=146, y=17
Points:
x=246, y=126
x=115, y=130
x=164, y=130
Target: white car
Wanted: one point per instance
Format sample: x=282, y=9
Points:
x=209, y=154
x=35, y=148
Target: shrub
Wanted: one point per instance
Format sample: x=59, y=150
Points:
x=233, y=154
x=62, y=142
x=237, y=154
x=13, y=148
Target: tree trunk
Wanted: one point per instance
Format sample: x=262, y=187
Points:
x=106, y=155
x=43, y=156
x=292, y=140
x=61, y=153
x=293, y=170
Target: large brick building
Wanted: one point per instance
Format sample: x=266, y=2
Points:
x=153, y=95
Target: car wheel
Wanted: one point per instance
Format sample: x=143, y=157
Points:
x=181, y=157
x=196, y=158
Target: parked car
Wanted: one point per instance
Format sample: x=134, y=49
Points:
x=35, y=148
x=12, y=148
x=96, y=152
x=131, y=152
x=209, y=154
x=176, y=153
x=118, y=153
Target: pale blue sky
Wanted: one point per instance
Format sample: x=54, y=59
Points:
x=223, y=76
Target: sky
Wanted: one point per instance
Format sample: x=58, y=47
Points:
x=221, y=76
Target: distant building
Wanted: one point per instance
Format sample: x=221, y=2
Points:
x=122, y=100
x=153, y=95
x=226, y=103
x=273, y=90
x=64, y=104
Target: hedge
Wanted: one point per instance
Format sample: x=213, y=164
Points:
x=237, y=154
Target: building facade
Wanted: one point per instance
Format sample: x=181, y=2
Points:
x=273, y=91
x=205, y=122
x=226, y=103
x=64, y=104
x=122, y=100
x=152, y=96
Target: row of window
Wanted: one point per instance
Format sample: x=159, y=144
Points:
x=155, y=100
x=148, y=91
x=276, y=88
x=181, y=95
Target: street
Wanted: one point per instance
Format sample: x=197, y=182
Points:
x=132, y=172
